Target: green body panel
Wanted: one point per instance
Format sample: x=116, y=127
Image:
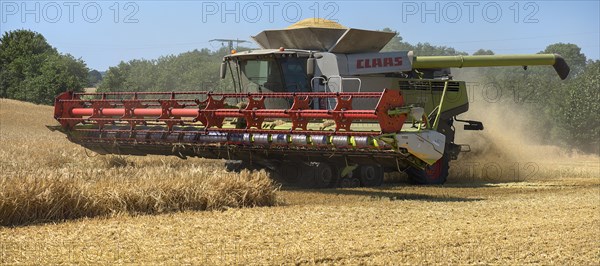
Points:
x=427, y=93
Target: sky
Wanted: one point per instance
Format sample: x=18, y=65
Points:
x=104, y=33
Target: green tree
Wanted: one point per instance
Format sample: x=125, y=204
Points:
x=483, y=52
x=576, y=108
x=20, y=43
x=116, y=78
x=59, y=73
x=94, y=77
x=32, y=70
x=396, y=43
x=21, y=52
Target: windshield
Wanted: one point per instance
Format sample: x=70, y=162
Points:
x=294, y=73
x=265, y=75
x=261, y=75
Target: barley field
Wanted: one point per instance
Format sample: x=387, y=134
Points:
x=45, y=178
x=510, y=204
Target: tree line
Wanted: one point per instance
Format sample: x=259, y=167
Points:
x=190, y=71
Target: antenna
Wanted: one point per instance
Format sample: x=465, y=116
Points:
x=229, y=42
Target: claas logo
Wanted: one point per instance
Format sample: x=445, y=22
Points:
x=378, y=62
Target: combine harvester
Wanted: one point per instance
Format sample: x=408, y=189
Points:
x=319, y=106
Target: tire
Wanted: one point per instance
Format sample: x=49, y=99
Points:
x=324, y=175
x=233, y=166
x=311, y=175
x=435, y=174
x=370, y=175
x=237, y=166
x=289, y=173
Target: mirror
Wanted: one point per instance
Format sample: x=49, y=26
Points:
x=310, y=66
x=223, y=69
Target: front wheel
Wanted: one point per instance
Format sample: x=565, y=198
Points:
x=435, y=174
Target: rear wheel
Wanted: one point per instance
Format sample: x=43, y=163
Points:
x=234, y=166
x=308, y=174
x=324, y=175
x=237, y=166
x=289, y=173
x=370, y=175
x=435, y=174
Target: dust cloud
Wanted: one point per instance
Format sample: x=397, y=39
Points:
x=512, y=147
